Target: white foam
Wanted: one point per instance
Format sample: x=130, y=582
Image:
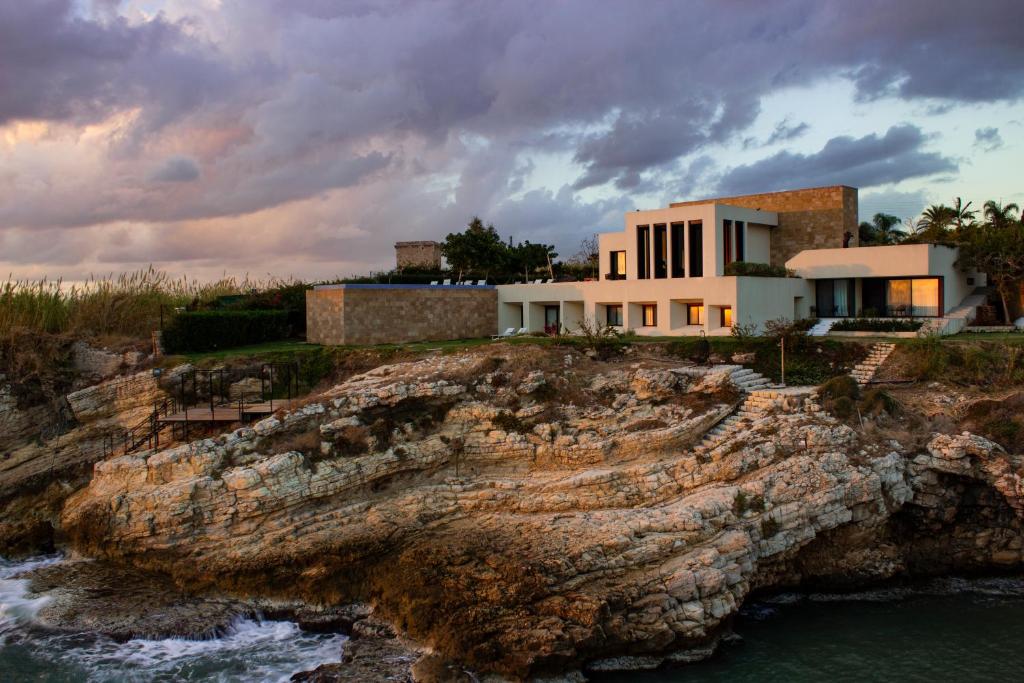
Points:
x=250, y=650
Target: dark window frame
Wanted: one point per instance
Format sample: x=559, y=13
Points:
x=700, y=313
x=726, y=242
x=613, y=268
x=643, y=248
x=660, y=251
x=739, y=241
x=677, y=239
x=721, y=316
x=695, y=243
x=608, y=315
x=653, y=308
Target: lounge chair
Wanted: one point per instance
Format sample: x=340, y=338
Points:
x=538, y=281
x=481, y=283
x=522, y=330
x=433, y=283
x=507, y=333
x=447, y=282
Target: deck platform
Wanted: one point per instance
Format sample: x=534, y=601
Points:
x=228, y=413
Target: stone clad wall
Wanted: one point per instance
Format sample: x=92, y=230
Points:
x=813, y=218
x=424, y=254
x=388, y=314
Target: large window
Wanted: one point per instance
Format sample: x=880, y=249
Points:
x=919, y=297
x=726, y=316
x=617, y=267
x=650, y=315
x=552, y=320
x=835, y=297
x=613, y=315
x=660, y=252
x=694, y=314
x=678, y=235
x=739, y=240
x=643, y=252
x=727, y=241
x=696, y=249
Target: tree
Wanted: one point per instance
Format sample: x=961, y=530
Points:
x=880, y=230
x=937, y=217
x=586, y=262
x=527, y=257
x=998, y=214
x=996, y=248
x=963, y=216
x=479, y=248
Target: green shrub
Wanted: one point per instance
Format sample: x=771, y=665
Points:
x=877, y=325
x=193, y=331
x=749, y=269
x=842, y=386
x=842, y=407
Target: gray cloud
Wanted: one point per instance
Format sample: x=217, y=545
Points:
x=176, y=169
x=988, y=138
x=784, y=131
x=862, y=162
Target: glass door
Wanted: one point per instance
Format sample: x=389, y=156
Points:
x=552, y=323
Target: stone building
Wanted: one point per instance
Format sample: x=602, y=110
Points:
x=421, y=255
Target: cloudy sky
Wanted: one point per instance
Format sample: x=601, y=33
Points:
x=304, y=137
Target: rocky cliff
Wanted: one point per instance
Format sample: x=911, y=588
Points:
x=524, y=512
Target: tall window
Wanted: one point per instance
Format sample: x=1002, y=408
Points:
x=678, y=235
x=613, y=315
x=726, y=316
x=727, y=241
x=650, y=315
x=694, y=314
x=660, y=252
x=617, y=267
x=924, y=296
x=643, y=251
x=696, y=249
x=739, y=240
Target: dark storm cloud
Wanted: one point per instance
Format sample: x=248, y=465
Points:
x=423, y=114
x=988, y=138
x=862, y=162
x=176, y=170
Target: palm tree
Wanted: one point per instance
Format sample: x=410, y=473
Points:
x=937, y=217
x=884, y=224
x=963, y=216
x=998, y=214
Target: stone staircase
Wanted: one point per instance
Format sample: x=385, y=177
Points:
x=758, y=405
x=822, y=327
x=746, y=380
x=865, y=372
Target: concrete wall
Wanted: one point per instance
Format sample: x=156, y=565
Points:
x=753, y=300
x=710, y=216
x=389, y=314
x=892, y=261
x=424, y=254
x=812, y=218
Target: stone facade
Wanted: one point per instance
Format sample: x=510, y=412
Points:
x=812, y=218
x=389, y=314
x=424, y=255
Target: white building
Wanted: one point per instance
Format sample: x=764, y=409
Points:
x=665, y=273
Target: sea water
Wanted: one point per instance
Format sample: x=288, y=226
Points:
x=250, y=650
x=945, y=630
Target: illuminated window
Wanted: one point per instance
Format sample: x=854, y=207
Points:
x=650, y=315
x=618, y=266
x=613, y=315
x=694, y=314
x=726, y=316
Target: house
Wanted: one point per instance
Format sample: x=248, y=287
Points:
x=668, y=272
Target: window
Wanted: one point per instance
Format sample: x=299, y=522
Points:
x=643, y=251
x=613, y=315
x=617, y=269
x=660, y=252
x=696, y=249
x=739, y=240
x=552, y=320
x=727, y=241
x=678, y=242
x=924, y=297
x=650, y=315
x=694, y=314
x=726, y=316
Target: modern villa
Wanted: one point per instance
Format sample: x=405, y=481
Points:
x=665, y=274
x=796, y=256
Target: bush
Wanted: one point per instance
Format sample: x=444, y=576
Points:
x=193, y=331
x=842, y=386
x=877, y=325
x=877, y=401
x=605, y=341
x=749, y=269
x=842, y=407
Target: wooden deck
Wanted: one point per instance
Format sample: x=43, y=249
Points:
x=227, y=413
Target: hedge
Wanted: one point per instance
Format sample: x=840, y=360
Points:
x=876, y=325
x=193, y=331
x=757, y=269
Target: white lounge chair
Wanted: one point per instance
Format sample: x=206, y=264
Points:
x=480, y=283
x=447, y=282
x=522, y=330
x=538, y=281
x=507, y=333
x=433, y=283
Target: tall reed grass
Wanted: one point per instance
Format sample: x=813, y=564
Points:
x=126, y=305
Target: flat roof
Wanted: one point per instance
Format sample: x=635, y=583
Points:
x=318, y=288
x=724, y=199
